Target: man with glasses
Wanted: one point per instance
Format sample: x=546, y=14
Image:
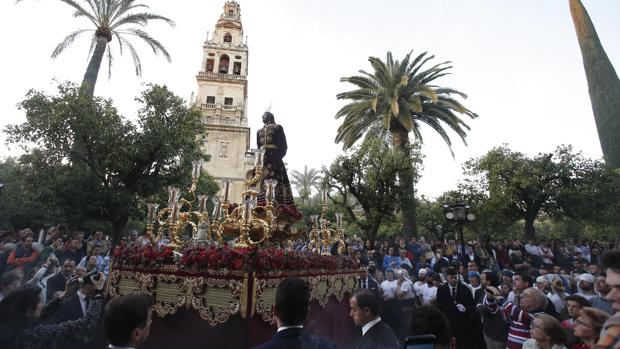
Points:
x=610, y=335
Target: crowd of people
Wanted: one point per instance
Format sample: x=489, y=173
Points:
x=502, y=294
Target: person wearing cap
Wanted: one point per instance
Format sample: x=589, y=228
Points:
x=585, y=285
x=429, y=291
x=418, y=286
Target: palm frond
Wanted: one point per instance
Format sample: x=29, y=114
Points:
x=68, y=40
x=155, y=45
x=140, y=19
x=134, y=55
x=78, y=8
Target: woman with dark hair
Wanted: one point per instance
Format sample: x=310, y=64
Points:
x=20, y=326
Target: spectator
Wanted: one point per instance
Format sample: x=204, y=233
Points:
x=474, y=284
x=585, y=283
x=404, y=261
x=55, y=248
x=588, y=327
x=390, y=260
x=9, y=282
x=367, y=281
x=610, y=335
x=428, y=320
x=557, y=295
x=387, y=288
x=127, y=320
x=24, y=256
x=602, y=288
x=574, y=305
x=456, y=302
x=545, y=332
x=521, y=282
x=520, y=317
x=429, y=292
x=98, y=241
x=58, y=282
x=290, y=311
x=376, y=334
x=20, y=327
x=73, y=251
x=418, y=286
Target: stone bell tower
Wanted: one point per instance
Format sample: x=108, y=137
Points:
x=222, y=98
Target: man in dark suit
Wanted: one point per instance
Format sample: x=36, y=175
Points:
x=376, y=334
x=367, y=282
x=59, y=281
x=290, y=311
x=455, y=300
x=75, y=307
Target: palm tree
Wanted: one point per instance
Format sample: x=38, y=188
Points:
x=305, y=181
x=603, y=84
x=111, y=19
x=394, y=101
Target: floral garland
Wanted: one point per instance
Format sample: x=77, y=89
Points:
x=215, y=257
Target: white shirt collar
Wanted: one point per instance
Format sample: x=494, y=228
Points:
x=287, y=327
x=370, y=324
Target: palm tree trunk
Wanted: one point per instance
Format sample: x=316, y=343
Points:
x=603, y=84
x=400, y=142
x=92, y=71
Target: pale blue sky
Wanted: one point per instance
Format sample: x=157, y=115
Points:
x=519, y=62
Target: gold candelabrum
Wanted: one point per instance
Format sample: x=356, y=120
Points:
x=322, y=236
x=180, y=214
x=248, y=222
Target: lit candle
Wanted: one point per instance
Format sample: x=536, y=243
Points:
x=196, y=167
x=151, y=212
x=202, y=203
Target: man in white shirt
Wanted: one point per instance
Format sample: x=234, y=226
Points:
x=419, y=285
x=429, y=291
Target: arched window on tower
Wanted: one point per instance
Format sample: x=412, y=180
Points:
x=227, y=37
x=223, y=67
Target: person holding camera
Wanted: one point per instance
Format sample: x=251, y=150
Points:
x=20, y=325
x=75, y=307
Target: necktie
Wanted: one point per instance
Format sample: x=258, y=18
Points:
x=364, y=284
x=87, y=302
x=453, y=292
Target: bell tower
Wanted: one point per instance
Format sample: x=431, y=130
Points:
x=222, y=99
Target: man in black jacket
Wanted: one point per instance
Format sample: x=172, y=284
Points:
x=367, y=282
x=376, y=334
x=290, y=310
x=59, y=281
x=455, y=300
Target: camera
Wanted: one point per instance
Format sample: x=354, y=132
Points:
x=91, y=277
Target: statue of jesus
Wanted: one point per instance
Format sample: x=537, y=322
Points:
x=271, y=138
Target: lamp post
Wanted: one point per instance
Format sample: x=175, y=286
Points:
x=459, y=214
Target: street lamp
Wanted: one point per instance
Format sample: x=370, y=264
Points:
x=459, y=214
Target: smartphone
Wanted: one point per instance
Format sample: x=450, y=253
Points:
x=426, y=341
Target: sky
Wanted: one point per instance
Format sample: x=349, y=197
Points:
x=517, y=60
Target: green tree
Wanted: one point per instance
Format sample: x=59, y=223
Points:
x=523, y=187
x=111, y=19
x=305, y=181
x=365, y=182
x=393, y=101
x=92, y=163
x=603, y=84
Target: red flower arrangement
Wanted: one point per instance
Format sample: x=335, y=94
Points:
x=213, y=257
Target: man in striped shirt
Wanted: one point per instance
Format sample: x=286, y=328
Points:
x=518, y=317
